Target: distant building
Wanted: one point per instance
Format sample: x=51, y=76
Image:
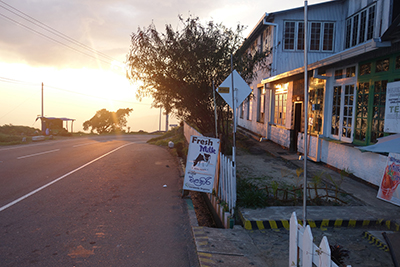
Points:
x=55, y=126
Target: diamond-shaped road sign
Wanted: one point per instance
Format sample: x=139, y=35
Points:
x=242, y=89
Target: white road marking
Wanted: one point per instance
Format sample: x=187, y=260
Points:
x=59, y=178
x=85, y=144
x=38, y=154
x=37, y=144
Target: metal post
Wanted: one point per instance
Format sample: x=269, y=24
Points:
x=234, y=132
x=305, y=115
x=159, y=121
x=234, y=116
x=166, y=122
x=42, y=117
x=215, y=111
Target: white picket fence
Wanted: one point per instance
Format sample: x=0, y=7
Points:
x=303, y=252
x=227, y=183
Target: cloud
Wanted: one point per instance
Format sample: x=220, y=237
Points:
x=102, y=25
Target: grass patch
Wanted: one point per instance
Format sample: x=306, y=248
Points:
x=249, y=195
x=176, y=136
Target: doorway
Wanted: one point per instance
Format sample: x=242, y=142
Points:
x=298, y=108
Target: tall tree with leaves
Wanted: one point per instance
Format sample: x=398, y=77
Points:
x=177, y=67
x=105, y=121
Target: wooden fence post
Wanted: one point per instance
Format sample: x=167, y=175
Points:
x=293, y=237
x=308, y=247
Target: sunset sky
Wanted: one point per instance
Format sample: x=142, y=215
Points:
x=77, y=49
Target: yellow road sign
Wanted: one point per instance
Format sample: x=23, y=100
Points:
x=223, y=90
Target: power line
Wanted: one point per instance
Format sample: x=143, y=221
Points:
x=8, y=80
x=53, y=31
x=52, y=39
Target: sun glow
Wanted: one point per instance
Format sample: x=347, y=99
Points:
x=72, y=93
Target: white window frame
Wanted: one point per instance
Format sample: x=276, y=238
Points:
x=354, y=26
x=280, y=110
x=342, y=83
x=321, y=39
x=261, y=104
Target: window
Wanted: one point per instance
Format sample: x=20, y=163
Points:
x=350, y=72
x=363, y=25
x=300, y=36
x=321, y=36
x=241, y=110
x=260, y=104
x=362, y=111
x=249, y=108
x=316, y=105
x=343, y=104
x=378, y=109
x=289, y=35
x=280, y=104
x=365, y=69
x=315, y=36
x=337, y=93
x=371, y=98
x=328, y=37
x=382, y=65
x=360, y=27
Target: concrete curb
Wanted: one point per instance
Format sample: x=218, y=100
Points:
x=323, y=224
x=201, y=240
x=375, y=241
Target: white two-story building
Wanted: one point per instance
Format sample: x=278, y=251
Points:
x=353, y=49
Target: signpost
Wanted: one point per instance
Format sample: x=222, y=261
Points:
x=242, y=89
x=201, y=164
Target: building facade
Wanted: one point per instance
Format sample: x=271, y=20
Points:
x=353, y=54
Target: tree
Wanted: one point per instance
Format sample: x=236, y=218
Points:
x=105, y=121
x=177, y=68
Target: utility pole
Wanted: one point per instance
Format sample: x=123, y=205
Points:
x=305, y=114
x=166, y=121
x=42, y=117
x=159, y=121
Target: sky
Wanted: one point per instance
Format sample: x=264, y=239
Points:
x=77, y=50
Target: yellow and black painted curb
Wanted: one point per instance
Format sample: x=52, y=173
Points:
x=375, y=241
x=201, y=239
x=323, y=224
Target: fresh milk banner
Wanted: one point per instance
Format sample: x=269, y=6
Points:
x=201, y=164
x=391, y=178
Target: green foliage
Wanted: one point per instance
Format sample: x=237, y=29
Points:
x=177, y=68
x=249, y=195
x=105, y=121
x=176, y=136
x=6, y=139
x=13, y=135
x=9, y=129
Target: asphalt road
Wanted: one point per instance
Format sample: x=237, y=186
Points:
x=102, y=201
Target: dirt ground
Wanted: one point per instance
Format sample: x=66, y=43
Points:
x=203, y=214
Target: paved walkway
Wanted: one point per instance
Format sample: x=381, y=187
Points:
x=263, y=241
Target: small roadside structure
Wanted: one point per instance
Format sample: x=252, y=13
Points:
x=55, y=126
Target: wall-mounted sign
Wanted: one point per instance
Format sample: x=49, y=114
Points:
x=391, y=179
x=392, y=108
x=201, y=164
